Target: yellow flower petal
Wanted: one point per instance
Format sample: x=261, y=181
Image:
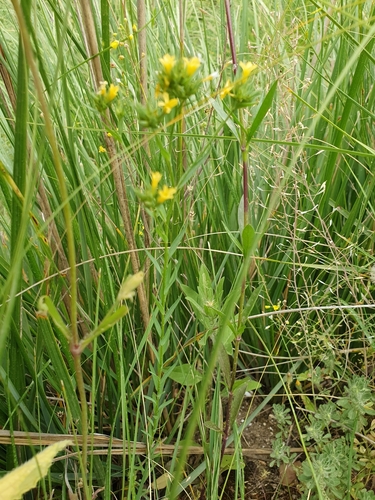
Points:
x=114, y=44
x=102, y=150
x=168, y=62
x=167, y=104
x=112, y=92
x=191, y=65
x=166, y=194
x=226, y=90
x=247, y=68
x=155, y=179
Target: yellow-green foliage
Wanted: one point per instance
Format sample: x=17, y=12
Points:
x=24, y=478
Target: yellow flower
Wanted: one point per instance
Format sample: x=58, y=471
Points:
x=114, y=44
x=109, y=134
x=167, y=104
x=168, y=62
x=191, y=65
x=134, y=27
x=102, y=150
x=155, y=179
x=275, y=307
x=247, y=68
x=112, y=92
x=226, y=90
x=165, y=194
x=131, y=37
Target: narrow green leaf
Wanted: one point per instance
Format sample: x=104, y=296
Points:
x=229, y=462
x=248, y=235
x=59, y=366
x=109, y=320
x=105, y=54
x=185, y=375
x=212, y=426
x=46, y=305
x=262, y=111
x=224, y=363
x=238, y=394
x=17, y=398
x=177, y=241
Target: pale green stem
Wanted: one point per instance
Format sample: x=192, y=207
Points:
x=69, y=233
x=84, y=419
x=57, y=163
x=244, y=153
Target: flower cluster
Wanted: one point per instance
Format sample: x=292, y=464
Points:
x=176, y=77
x=176, y=82
x=125, y=33
x=105, y=96
x=153, y=195
x=240, y=89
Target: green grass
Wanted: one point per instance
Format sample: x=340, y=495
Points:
x=79, y=227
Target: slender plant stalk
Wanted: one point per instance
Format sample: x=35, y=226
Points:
x=15, y=362
x=122, y=196
x=56, y=159
x=230, y=35
x=181, y=25
x=68, y=222
x=43, y=201
x=244, y=156
x=142, y=49
x=182, y=158
x=142, y=55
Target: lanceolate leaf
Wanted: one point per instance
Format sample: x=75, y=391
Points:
x=262, y=111
x=26, y=477
x=186, y=375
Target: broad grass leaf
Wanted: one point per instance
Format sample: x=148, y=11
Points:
x=262, y=111
x=248, y=235
x=239, y=389
x=229, y=462
x=24, y=478
x=185, y=375
x=224, y=363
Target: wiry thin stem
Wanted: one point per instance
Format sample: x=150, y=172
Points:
x=231, y=36
x=142, y=49
x=121, y=193
x=56, y=159
x=69, y=229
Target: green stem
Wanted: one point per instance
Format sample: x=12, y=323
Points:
x=244, y=153
x=76, y=353
x=164, y=302
x=244, y=156
x=142, y=49
x=57, y=163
